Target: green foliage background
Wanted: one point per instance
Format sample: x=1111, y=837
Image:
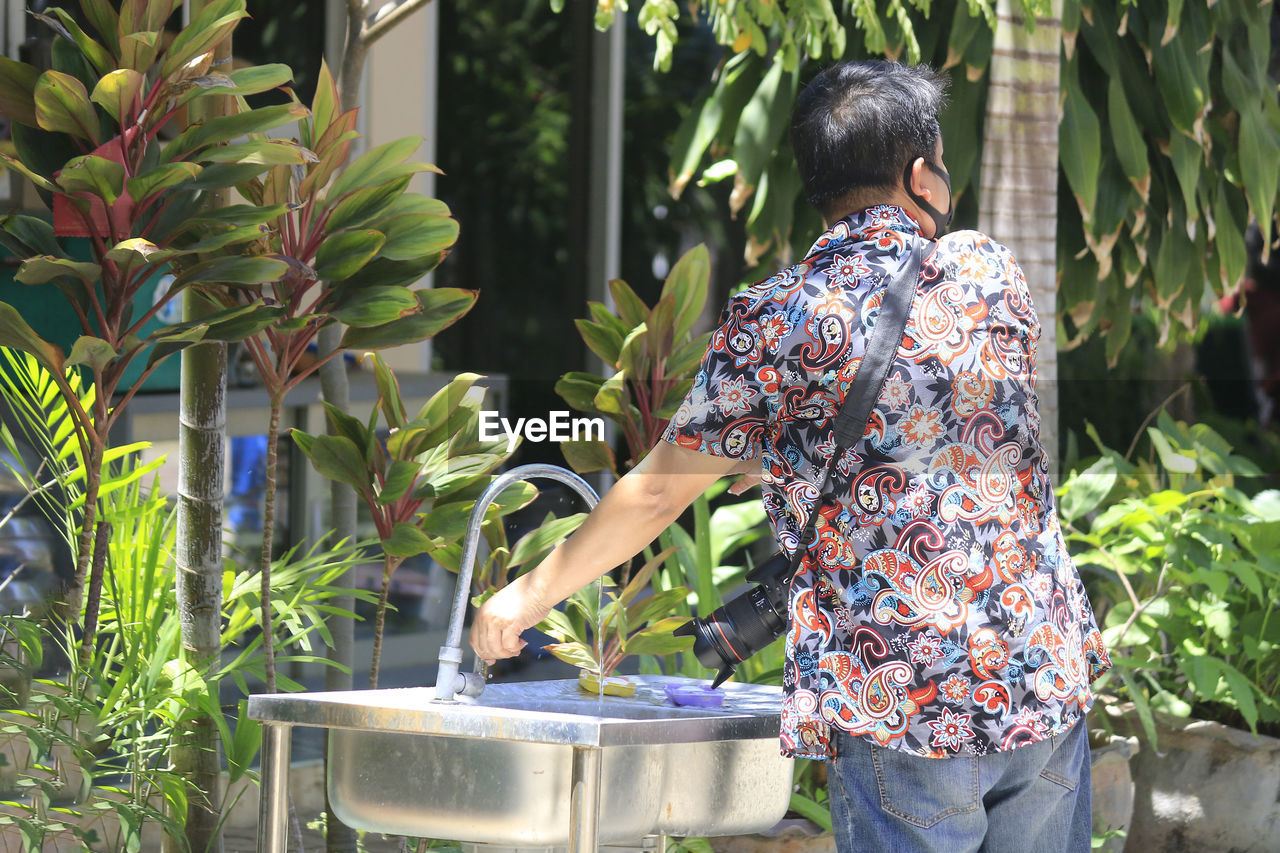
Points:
x=1170, y=124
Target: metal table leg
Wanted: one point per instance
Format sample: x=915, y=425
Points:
x=584, y=801
x=273, y=797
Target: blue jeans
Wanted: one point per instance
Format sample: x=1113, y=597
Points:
x=1033, y=798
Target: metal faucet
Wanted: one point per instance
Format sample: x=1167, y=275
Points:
x=449, y=682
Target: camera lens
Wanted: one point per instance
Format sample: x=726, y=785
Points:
x=745, y=624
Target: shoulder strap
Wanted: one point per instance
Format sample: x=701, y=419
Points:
x=882, y=346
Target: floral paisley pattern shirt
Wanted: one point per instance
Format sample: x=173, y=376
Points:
x=936, y=610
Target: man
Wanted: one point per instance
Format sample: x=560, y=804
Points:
x=940, y=645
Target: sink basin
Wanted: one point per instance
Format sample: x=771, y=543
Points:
x=501, y=769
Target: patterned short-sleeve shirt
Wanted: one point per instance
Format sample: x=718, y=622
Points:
x=936, y=610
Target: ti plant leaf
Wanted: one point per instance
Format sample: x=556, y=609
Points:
x=600, y=625
x=637, y=343
x=17, y=91
x=63, y=106
x=419, y=491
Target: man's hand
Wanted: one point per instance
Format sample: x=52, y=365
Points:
x=498, y=624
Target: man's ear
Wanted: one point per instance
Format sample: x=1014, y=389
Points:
x=917, y=184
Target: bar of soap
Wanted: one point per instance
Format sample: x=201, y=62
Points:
x=614, y=685
x=695, y=695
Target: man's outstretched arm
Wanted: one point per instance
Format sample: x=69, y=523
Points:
x=629, y=516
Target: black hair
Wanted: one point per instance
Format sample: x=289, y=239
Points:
x=857, y=125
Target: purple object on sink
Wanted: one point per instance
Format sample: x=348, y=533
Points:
x=695, y=695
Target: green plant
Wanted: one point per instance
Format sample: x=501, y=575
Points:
x=602, y=625
x=793, y=30
x=504, y=558
x=354, y=242
x=421, y=483
x=49, y=747
x=654, y=354
x=1182, y=566
x=689, y=844
x=1100, y=838
x=809, y=795
x=44, y=421
x=122, y=708
x=138, y=689
x=598, y=627
x=87, y=133
x=1149, y=174
x=707, y=560
x=1169, y=112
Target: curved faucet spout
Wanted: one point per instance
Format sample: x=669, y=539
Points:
x=449, y=683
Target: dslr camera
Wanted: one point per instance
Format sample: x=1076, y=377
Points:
x=746, y=624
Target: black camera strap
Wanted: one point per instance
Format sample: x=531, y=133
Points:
x=851, y=420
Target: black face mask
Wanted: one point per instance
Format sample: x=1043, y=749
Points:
x=940, y=220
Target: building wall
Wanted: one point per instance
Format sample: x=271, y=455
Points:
x=399, y=100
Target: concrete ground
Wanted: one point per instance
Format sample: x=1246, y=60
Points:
x=245, y=840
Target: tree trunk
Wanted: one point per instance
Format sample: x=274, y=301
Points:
x=1019, y=189
x=268, y=540
x=389, y=566
x=354, y=51
x=201, y=441
x=202, y=432
x=75, y=597
x=93, y=603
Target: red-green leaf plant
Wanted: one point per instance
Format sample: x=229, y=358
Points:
x=653, y=353
x=421, y=482
x=597, y=631
x=352, y=241
x=89, y=134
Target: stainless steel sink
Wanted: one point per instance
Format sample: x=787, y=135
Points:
x=502, y=768
x=530, y=765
